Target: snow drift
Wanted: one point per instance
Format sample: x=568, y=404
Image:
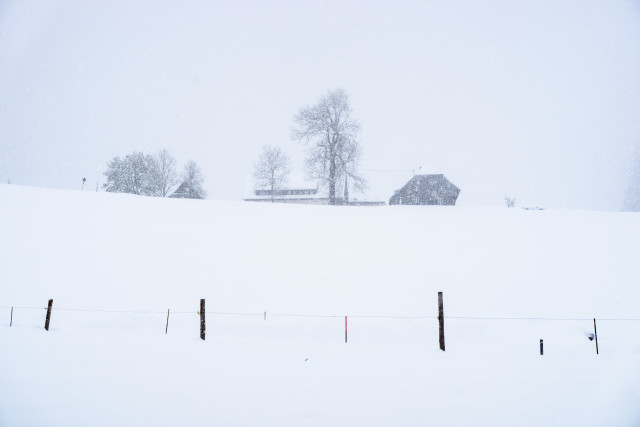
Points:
x=115, y=263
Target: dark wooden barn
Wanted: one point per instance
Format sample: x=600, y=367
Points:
x=426, y=190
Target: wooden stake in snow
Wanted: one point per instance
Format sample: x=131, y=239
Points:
x=595, y=330
x=441, y=320
x=11, y=323
x=541, y=348
x=46, y=322
x=167, y=328
x=203, y=326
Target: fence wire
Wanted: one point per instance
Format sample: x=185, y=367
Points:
x=320, y=316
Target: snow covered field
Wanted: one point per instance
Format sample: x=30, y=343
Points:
x=115, y=263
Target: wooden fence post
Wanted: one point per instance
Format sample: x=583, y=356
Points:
x=166, y=329
x=595, y=330
x=203, y=326
x=46, y=322
x=441, y=320
x=11, y=323
x=541, y=348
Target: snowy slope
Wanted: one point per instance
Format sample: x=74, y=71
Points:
x=115, y=263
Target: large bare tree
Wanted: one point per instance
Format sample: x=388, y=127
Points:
x=272, y=169
x=330, y=135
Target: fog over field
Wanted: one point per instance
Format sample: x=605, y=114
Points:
x=518, y=119
x=536, y=100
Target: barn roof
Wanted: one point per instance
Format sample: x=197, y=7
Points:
x=181, y=191
x=429, y=180
x=432, y=189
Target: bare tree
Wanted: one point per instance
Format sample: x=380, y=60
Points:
x=509, y=201
x=272, y=169
x=192, y=181
x=330, y=133
x=134, y=174
x=166, y=174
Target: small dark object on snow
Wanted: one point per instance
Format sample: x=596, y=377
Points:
x=590, y=336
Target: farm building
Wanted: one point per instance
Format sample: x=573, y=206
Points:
x=426, y=190
x=182, y=192
x=289, y=195
x=308, y=196
x=302, y=191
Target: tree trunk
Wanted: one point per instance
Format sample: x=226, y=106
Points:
x=346, y=190
x=332, y=177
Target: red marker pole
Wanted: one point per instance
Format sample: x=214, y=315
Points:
x=345, y=329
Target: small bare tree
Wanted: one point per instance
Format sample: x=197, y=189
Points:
x=166, y=175
x=509, y=201
x=192, y=181
x=330, y=133
x=272, y=169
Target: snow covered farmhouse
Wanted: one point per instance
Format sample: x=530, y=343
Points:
x=289, y=195
x=426, y=190
x=305, y=195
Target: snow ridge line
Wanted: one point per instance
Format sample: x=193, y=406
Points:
x=380, y=316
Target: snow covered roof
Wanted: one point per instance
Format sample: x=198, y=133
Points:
x=432, y=189
x=180, y=192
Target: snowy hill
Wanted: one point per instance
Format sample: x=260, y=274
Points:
x=115, y=263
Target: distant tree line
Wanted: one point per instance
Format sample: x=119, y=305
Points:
x=153, y=175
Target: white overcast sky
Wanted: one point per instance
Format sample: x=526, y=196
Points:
x=539, y=100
